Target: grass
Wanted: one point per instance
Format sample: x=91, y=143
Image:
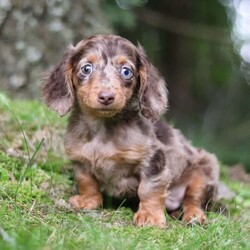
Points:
x=34, y=213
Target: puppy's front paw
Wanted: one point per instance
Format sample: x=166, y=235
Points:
x=194, y=215
x=145, y=218
x=83, y=202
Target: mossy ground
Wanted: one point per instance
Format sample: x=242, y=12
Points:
x=36, y=181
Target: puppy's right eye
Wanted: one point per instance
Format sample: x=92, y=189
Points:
x=87, y=69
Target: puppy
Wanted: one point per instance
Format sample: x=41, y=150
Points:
x=115, y=138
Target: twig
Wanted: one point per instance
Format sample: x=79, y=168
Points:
x=32, y=207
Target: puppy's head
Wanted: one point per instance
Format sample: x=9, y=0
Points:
x=100, y=75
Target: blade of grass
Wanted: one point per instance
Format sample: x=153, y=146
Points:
x=29, y=166
x=115, y=213
x=5, y=101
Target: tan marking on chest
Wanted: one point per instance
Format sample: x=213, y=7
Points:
x=130, y=147
x=99, y=153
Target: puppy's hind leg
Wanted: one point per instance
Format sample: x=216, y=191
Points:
x=204, y=174
x=89, y=196
x=193, y=200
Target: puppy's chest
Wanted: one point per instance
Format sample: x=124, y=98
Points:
x=109, y=154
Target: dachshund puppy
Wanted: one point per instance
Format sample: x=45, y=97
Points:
x=115, y=138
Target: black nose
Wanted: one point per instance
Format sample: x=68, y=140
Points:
x=106, y=97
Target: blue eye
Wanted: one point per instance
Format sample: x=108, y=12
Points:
x=126, y=73
x=87, y=69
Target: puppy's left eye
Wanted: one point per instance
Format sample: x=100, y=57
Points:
x=87, y=69
x=126, y=73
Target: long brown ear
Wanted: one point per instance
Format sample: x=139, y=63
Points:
x=58, y=88
x=152, y=92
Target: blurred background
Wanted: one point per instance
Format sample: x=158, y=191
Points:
x=202, y=48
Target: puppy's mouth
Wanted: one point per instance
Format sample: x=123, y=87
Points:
x=103, y=112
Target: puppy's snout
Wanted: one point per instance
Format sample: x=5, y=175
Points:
x=106, y=97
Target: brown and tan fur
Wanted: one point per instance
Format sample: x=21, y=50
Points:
x=115, y=138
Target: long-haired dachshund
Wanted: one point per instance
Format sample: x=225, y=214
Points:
x=115, y=138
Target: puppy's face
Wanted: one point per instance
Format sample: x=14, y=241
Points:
x=100, y=75
x=104, y=75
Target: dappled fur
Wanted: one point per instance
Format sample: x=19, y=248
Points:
x=118, y=144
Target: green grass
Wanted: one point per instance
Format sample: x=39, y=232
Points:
x=34, y=213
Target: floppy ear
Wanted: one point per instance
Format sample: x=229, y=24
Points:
x=152, y=92
x=58, y=88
